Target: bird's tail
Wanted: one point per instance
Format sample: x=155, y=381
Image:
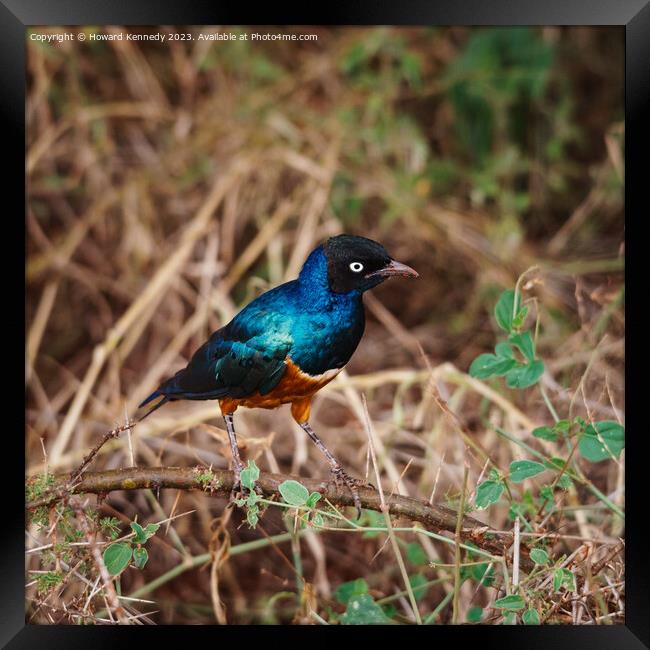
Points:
x=156, y=406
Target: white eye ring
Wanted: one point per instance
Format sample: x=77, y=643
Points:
x=356, y=267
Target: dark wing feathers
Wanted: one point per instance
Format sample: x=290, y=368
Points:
x=234, y=362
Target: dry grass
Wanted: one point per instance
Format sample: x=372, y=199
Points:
x=169, y=186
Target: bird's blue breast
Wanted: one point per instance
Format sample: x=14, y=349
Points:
x=322, y=328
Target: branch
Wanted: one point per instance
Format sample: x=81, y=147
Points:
x=434, y=518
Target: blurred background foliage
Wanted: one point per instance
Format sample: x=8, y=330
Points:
x=472, y=154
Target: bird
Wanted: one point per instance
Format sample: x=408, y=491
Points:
x=288, y=343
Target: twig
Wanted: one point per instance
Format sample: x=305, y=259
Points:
x=114, y=433
x=432, y=517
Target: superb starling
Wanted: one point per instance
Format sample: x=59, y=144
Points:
x=289, y=342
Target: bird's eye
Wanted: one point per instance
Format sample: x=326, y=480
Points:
x=356, y=267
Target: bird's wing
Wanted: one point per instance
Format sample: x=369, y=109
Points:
x=244, y=357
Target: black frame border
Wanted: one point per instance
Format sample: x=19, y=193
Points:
x=633, y=15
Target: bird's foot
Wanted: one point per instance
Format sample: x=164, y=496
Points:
x=341, y=478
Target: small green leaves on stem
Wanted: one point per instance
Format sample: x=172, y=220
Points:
x=524, y=376
x=294, y=493
x=518, y=373
x=488, y=365
x=474, y=614
x=363, y=610
x=539, y=556
x=488, y=492
x=520, y=470
x=249, y=475
x=346, y=590
x=523, y=341
x=247, y=478
x=602, y=441
x=110, y=526
x=512, y=602
x=415, y=554
x=530, y=617
x=140, y=557
x=143, y=534
x=563, y=578
x=117, y=557
x=48, y=580
x=506, y=312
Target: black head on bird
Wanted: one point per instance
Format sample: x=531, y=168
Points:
x=359, y=263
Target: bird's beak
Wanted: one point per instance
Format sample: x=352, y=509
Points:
x=395, y=268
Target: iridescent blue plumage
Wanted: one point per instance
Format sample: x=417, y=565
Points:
x=304, y=320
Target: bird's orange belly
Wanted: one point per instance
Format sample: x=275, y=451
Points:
x=294, y=386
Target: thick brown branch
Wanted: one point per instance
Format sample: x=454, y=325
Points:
x=435, y=518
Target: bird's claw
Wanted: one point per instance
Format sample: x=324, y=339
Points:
x=341, y=478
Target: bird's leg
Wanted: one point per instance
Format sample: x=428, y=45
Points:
x=237, y=465
x=338, y=473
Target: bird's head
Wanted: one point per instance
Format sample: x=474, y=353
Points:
x=357, y=263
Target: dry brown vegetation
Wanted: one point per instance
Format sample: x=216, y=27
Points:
x=170, y=184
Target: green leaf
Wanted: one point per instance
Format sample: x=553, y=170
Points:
x=249, y=475
x=363, y=610
x=482, y=573
x=563, y=578
x=389, y=609
x=313, y=499
x=511, y=602
x=487, y=365
x=317, y=520
x=474, y=614
x=117, y=557
x=539, y=556
x=602, y=441
x=503, y=349
x=564, y=481
x=556, y=463
x=252, y=516
x=346, y=590
x=140, y=535
x=418, y=582
x=488, y=492
x=546, y=494
x=140, y=557
x=151, y=529
x=545, y=433
x=294, y=493
x=504, y=310
x=530, y=617
x=525, y=376
x=416, y=555
x=524, y=341
x=372, y=519
x=519, y=319
x=143, y=534
x=520, y=470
